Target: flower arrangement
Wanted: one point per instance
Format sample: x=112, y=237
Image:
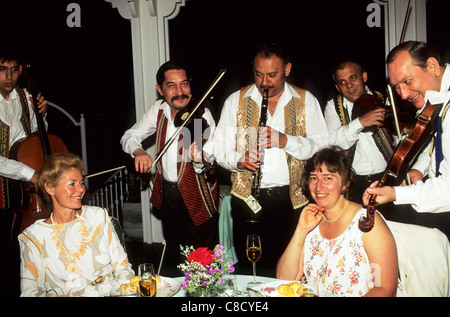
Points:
x=203, y=269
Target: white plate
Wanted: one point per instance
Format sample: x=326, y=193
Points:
x=270, y=289
x=167, y=287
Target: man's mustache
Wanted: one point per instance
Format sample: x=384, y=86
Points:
x=178, y=97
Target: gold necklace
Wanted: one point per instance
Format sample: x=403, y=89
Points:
x=70, y=255
x=325, y=218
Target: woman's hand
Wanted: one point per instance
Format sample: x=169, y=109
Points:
x=310, y=217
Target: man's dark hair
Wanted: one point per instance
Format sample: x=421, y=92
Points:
x=12, y=50
x=340, y=65
x=170, y=65
x=419, y=51
x=268, y=50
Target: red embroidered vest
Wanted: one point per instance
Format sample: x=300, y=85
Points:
x=200, y=196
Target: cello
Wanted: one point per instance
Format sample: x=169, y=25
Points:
x=32, y=152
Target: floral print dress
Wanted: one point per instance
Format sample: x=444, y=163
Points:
x=341, y=264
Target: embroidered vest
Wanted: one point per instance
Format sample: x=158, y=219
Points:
x=200, y=195
x=7, y=186
x=381, y=136
x=24, y=120
x=247, y=121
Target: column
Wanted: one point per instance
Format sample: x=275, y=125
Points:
x=150, y=44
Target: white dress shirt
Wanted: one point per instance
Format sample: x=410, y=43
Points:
x=133, y=137
x=433, y=195
x=275, y=170
x=368, y=159
x=10, y=114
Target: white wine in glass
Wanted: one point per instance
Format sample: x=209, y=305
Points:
x=147, y=280
x=254, y=252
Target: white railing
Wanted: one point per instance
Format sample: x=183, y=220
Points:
x=82, y=125
x=112, y=194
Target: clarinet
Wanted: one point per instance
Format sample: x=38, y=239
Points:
x=257, y=175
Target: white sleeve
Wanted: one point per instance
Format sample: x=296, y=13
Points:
x=146, y=126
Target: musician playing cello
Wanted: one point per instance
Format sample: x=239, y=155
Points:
x=186, y=204
x=369, y=150
x=417, y=74
x=294, y=131
x=17, y=121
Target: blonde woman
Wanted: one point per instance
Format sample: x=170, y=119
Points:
x=75, y=252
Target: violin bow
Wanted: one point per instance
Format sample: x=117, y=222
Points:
x=366, y=223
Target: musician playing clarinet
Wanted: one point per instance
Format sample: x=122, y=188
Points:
x=417, y=74
x=186, y=204
x=295, y=129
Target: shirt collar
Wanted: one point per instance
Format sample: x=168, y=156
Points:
x=445, y=84
x=287, y=95
x=12, y=96
x=348, y=103
x=442, y=96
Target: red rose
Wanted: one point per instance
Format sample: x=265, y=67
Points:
x=201, y=256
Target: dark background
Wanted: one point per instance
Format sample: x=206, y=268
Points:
x=88, y=70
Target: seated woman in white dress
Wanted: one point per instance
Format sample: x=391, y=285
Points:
x=327, y=243
x=76, y=251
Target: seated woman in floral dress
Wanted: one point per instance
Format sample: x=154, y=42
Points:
x=328, y=244
x=76, y=251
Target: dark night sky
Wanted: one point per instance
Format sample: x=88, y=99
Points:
x=89, y=69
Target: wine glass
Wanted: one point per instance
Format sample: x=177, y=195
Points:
x=147, y=280
x=254, y=252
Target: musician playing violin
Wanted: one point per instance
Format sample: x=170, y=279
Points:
x=185, y=201
x=417, y=74
x=348, y=124
x=17, y=121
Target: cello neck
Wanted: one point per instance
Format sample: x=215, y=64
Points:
x=41, y=127
x=31, y=85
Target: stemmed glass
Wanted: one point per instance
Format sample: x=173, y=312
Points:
x=147, y=280
x=254, y=252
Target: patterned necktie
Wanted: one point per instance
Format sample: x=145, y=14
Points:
x=438, y=140
x=438, y=144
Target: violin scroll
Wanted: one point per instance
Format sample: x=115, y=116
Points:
x=366, y=223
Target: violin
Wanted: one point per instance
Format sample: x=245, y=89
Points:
x=197, y=126
x=190, y=122
x=404, y=156
x=397, y=121
x=365, y=104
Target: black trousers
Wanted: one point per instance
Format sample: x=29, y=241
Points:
x=361, y=184
x=180, y=230
x=275, y=223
